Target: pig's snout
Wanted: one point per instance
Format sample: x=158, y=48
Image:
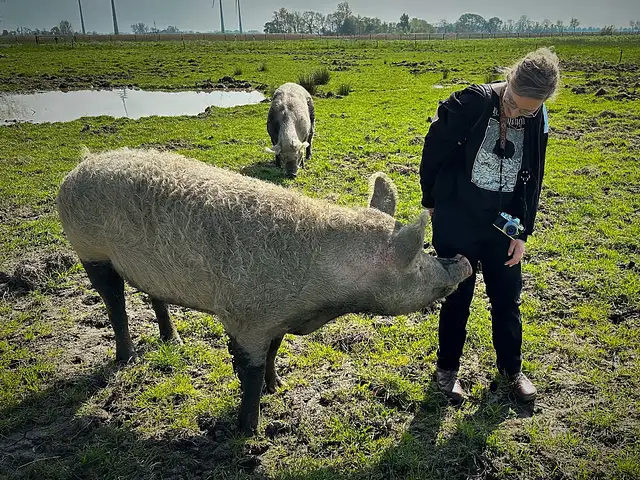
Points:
x=465, y=265
x=457, y=266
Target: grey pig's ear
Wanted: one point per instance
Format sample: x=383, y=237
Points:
x=408, y=241
x=382, y=193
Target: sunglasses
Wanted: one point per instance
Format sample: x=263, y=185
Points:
x=510, y=102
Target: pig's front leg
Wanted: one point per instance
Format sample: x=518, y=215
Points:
x=250, y=367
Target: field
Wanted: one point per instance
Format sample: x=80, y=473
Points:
x=357, y=400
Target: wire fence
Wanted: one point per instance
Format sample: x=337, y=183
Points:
x=254, y=37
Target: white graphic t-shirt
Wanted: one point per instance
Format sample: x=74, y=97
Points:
x=486, y=167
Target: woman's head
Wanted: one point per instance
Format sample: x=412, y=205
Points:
x=532, y=81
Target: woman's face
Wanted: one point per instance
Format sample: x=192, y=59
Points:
x=517, y=106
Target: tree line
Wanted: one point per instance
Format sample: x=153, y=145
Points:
x=65, y=28
x=343, y=21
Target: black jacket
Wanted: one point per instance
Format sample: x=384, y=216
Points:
x=458, y=165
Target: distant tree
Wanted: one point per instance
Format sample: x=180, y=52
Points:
x=349, y=26
x=560, y=26
x=343, y=11
x=546, y=24
x=139, y=28
x=320, y=22
x=404, y=22
x=524, y=24
x=418, y=25
x=171, y=29
x=65, y=28
x=271, y=27
x=5, y=32
x=508, y=26
x=331, y=23
x=494, y=24
x=444, y=26
x=471, y=22
x=55, y=30
x=574, y=24
x=309, y=19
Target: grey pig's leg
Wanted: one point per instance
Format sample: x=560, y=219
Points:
x=110, y=286
x=251, y=379
x=270, y=376
x=168, y=332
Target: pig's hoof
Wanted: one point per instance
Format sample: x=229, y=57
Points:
x=128, y=356
x=174, y=339
x=273, y=384
x=248, y=427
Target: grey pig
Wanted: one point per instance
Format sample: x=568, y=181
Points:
x=290, y=124
x=266, y=260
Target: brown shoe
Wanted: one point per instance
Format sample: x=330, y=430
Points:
x=449, y=384
x=522, y=387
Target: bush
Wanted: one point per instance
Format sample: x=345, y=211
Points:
x=322, y=76
x=344, y=89
x=307, y=80
x=262, y=67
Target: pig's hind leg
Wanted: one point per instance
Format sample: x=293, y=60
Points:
x=168, y=332
x=271, y=378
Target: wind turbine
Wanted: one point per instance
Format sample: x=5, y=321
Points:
x=81, y=18
x=239, y=14
x=115, y=20
x=213, y=5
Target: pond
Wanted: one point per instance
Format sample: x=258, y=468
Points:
x=58, y=106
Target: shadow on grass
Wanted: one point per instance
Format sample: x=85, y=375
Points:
x=266, y=171
x=423, y=453
x=45, y=437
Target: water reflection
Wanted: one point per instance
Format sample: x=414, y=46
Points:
x=57, y=106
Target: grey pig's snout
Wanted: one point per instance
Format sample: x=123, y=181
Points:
x=458, y=260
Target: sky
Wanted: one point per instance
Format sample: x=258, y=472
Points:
x=198, y=15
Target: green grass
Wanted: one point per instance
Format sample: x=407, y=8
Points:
x=357, y=401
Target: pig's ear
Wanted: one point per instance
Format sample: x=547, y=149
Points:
x=382, y=193
x=408, y=241
x=275, y=149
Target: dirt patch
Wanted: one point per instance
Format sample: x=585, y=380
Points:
x=608, y=114
x=23, y=213
x=589, y=66
x=625, y=316
x=346, y=337
x=33, y=273
x=169, y=145
x=417, y=140
x=101, y=130
x=404, y=169
x=23, y=83
x=228, y=82
x=589, y=171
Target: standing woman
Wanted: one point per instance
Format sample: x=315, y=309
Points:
x=483, y=161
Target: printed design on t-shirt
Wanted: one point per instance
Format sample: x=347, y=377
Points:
x=486, y=166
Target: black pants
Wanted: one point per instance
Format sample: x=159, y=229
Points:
x=455, y=231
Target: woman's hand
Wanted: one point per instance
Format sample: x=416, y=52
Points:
x=516, y=251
